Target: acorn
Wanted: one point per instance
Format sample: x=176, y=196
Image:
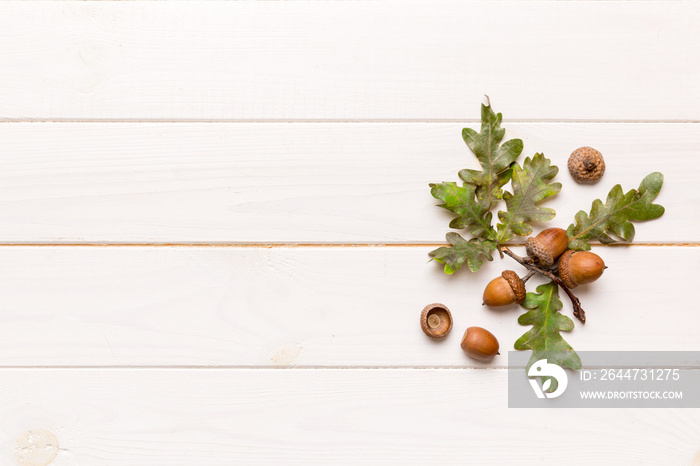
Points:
x=547, y=246
x=586, y=165
x=480, y=344
x=504, y=290
x=580, y=267
x=436, y=320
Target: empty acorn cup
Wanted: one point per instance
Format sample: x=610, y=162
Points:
x=436, y=320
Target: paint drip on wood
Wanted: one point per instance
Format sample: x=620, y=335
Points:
x=286, y=355
x=36, y=448
x=696, y=460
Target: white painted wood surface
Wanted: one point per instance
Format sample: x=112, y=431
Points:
x=213, y=417
x=348, y=60
x=226, y=123
x=299, y=182
x=305, y=306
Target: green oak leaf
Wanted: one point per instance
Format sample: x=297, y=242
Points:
x=531, y=184
x=472, y=251
x=544, y=338
x=472, y=214
x=486, y=191
x=495, y=158
x=615, y=216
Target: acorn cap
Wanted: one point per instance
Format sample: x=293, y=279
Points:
x=564, y=271
x=436, y=320
x=586, y=165
x=547, y=246
x=516, y=284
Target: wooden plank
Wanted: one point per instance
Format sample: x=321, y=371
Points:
x=306, y=307
x=349, y=60
x=302, y=182
x=214, y=417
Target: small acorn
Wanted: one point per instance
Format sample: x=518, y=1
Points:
x=504, y=290
x=586, y=165
x=580, y=267
x=436, y=320
x=480, y=344
x=547, y=246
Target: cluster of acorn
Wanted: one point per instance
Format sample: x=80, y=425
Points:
x=574, y=267
x=547, y=251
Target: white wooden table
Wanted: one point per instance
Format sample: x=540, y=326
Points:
x=215, y=220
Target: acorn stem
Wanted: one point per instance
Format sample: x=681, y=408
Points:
x=527, y=277
x=579, y=313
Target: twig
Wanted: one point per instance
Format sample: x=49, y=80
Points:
x=528, y=276
x=579, y=313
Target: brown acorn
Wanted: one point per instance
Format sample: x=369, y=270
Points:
x=436, y=320
x=480, y=344
x=586, y=165
x=547, y=246
x=504, y=290
x=580, y=267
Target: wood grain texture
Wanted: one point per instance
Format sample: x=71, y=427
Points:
x=348, y=417
x=307, y=307
x=301, y=182
x=320, y=122
x=349, y=60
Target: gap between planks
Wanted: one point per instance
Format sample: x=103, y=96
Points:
x=341, y=121
x=256, y=368
x=339, y=1
x=299, y=245
x=305, y=368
